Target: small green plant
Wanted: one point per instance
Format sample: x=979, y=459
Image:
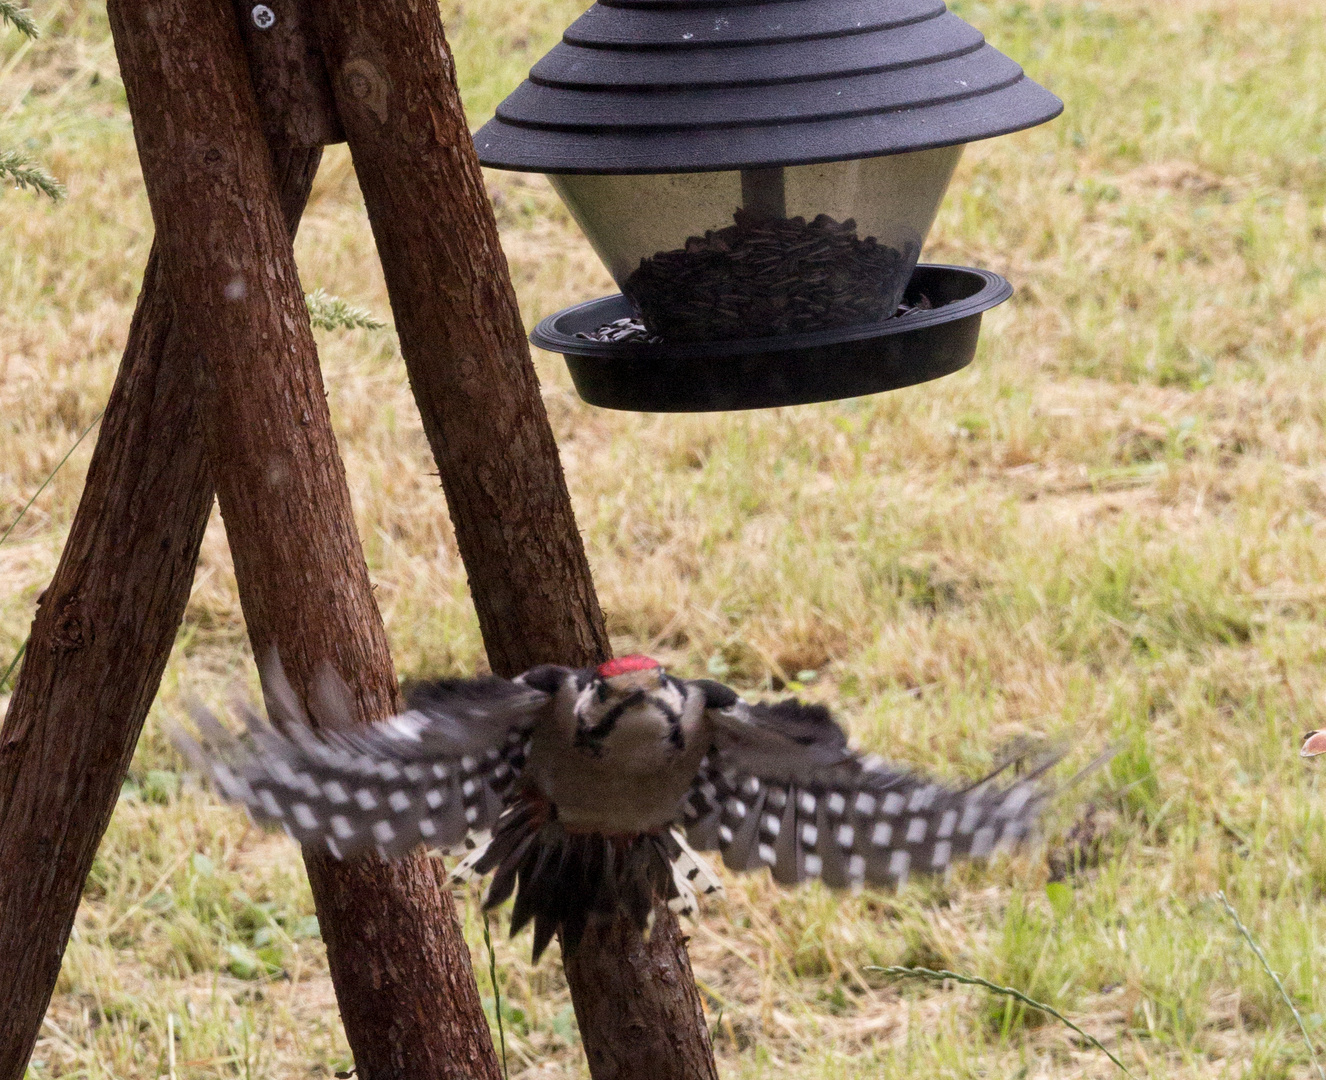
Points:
x=1022, y=956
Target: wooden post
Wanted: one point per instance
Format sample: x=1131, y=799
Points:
x=469, y=365
x=461, y=334
x=103, y=632
x=399, y=964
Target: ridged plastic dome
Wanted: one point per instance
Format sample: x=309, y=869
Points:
x=668, y=86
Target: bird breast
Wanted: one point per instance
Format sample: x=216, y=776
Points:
x=628, y=779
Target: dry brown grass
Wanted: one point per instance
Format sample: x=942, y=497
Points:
x=1109, y=528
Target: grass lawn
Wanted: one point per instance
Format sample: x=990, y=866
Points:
x=1110, y=528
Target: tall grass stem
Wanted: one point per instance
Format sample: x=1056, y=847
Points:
x=1266, y=964
x=26, y=506
x=1007, y=991
x=497, y=992
x=4, y=679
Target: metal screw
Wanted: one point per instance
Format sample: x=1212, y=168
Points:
x=264, y=18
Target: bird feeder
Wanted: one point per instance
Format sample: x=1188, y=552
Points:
x=759, y=179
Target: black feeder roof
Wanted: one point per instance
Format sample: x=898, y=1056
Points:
x=666, y=86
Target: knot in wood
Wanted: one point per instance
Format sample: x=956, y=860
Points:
x=366, y=85
x=73, y=629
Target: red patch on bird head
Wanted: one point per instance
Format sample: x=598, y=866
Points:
x=623, y=665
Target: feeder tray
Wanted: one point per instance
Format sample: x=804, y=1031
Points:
x=763, y=372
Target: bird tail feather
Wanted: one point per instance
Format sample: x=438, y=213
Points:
x=565, y=880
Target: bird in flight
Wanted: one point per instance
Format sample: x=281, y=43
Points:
x=589, y=791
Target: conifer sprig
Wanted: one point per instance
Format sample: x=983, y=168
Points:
x=18, y=18
x=15, y=166
x=328, y=312
x=26, y=173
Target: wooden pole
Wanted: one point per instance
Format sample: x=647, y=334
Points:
x=461, y=334
x=399, y=964
x=469, y=365
x=103, y=632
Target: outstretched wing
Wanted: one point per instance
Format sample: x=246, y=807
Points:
x=433, y=775
x=781, y=789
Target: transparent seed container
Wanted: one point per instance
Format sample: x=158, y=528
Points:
x=714, y=256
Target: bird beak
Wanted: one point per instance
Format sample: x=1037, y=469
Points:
x=1314, y=743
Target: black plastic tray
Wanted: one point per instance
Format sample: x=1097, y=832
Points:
x=765, y=372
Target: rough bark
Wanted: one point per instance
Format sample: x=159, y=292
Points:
x=399, y=964
x=103, y=632
x=640, y=1001
x=469, y=366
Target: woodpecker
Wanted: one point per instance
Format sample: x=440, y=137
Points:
x=588, y=792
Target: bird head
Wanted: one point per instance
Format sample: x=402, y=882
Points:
x=1314, y=743
x=628, y=698
x=627, y=674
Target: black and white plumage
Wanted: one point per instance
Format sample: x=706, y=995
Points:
x=586, y=790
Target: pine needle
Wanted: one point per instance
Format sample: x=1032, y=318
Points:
x=1284, y=996
x=18, y=18
x=26, y=173
x=332, y=313
x=1006, y=991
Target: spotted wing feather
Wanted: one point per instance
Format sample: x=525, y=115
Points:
x=435, y=775
x=782, y=789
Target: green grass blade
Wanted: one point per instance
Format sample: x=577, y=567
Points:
x=1007, y=991
x=4, y=679
x=497, y=992
x=1266, y=964
x=26, y=506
